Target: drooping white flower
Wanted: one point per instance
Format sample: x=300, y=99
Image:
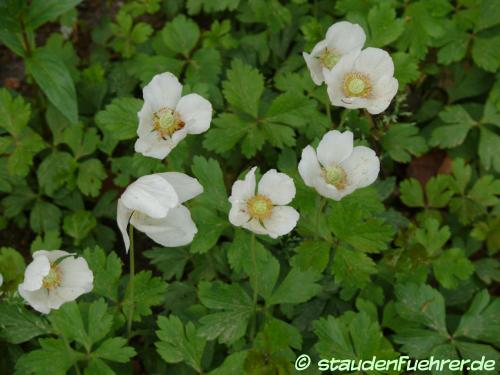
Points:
x=54, y=278
x=341, y=39
x=337, y=168
x=264, y=212
x=166, y=118
x=363, y=80
x=152, y=204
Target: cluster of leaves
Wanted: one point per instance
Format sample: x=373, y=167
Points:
x=406, y=266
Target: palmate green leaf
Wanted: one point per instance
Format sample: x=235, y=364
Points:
x=41, y=11
x=119, y=118
x=181, y=35
x=356, y=337
x=438, y=191
x=411, y=192
x=457, y=125
x=233, y=364
x=480, y=322
x=17, y=324
x=233, y=306
x=53, y=358
x=229, y=129
x=365, y=233
x=44, y=217
x=432, y=237
x=209, y=173
x=489, y=141
x=115, y=349
x=352, y=269
x=312, y=254
x=423, y=305
x=384, y=27
x=55, y=171
x=402, y=141
x=297, y=287
x=452, y=267
x=210, y=227
x=68, y=321
x=12, y=267
x=424, y=21
x=179, y=342
x=79, y=224
x=23, y=143
x=243, y=88
x=483, y=55
x=405, y=68
x=55, y=81
x=106, y=269
x=170, y=263
x=91, y=173
x=149, y=291
x=204, y=66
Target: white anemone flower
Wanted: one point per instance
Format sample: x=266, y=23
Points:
x=166, y=118
x=54, y=278
x=152, y=204
x=363, y=80
x=341, y=39
x=264, y=212
x=337, y=168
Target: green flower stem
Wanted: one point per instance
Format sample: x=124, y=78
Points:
x=320, y=206
x=253, y=324
x=131, y=280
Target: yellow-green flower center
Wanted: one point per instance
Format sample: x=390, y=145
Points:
x=260, y=207
x=357, y=85
x=335, y=176
x=53, y=278
x=329, y=58
x=166, y=122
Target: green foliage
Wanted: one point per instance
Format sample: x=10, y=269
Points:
x=407, y=266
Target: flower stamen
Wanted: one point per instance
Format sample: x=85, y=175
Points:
x=329, y=58
x=166, y=122
x=260, y=207
x=357, y=85
x=53, y=278
x=335, y=176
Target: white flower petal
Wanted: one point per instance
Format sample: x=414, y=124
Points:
x=185, y=186
x=362, y=167
x=122, y=219
x=345, y=37
x=145, y=116
x=315, y=69
x=51, y=255
x=278, y=187
x=238, y=214
x=38, y=299
x=196, y=112
x=75, y=273
x=164, y=91
x=384, y=91
x=329, y=191
x=334, y=147
x=255, y=226
x=309, y=168
x=176, y=229
x=282, y=221
x=151, y=195
x=153, y=146
x=35, y=272
x=59, y=296
x=374, y=62
x=245, y=189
